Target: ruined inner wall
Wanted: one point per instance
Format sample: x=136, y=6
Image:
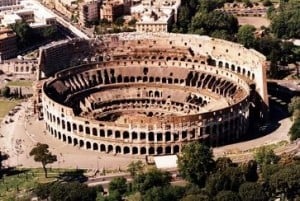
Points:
x=151, y=94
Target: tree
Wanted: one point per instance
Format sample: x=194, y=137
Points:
x=265, y=155
x=295, y=130
x=119, y=21
x=23, y=32
x=164, y=193
x=183, y=18
x=196, y=197
x=135, y=167
x=251, y=191
x=72, y=191
x=227, y=196
x=250, y=171
x=5, y=92
x=43, y=190
x=294, y=105
x=223, y=163
x=196, y=162
x=208, y=23
x=286, y=24
x=41, y=154
x=143, y=182
x=229, y=179
x=286, y=182
x=118, y=184
x=246, y=36
x=49, y=32
x=132, y=22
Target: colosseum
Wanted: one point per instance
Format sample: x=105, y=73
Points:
x=149, y=94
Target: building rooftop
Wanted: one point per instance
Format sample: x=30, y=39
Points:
x=5, y=33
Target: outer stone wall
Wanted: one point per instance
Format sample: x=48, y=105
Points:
x=149, y=94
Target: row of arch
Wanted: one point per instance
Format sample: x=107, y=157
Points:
x=115, y=148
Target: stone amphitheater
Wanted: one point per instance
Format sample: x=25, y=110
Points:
x=149, y=94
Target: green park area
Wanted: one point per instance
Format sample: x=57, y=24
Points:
x=18, y=184
x=20, y=83
x=6, y=106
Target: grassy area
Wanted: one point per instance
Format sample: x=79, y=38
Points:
x=20, y=83
x=6, y=106
x=21, y=182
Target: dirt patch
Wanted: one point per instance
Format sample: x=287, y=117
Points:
x=255, y=21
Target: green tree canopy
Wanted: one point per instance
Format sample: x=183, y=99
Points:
x=208, y=23
x=143, y=182
x=164, y=193
x=5, y=92
x=229, y=179
x=265, y=155
x=23, y=31
x=41, y=154
x=227, y=196
x=135, y=167
x=286, y=24
x=223, y=163
x=246, y=36
x=118, y=184
x=286, y=181
x=73, y=191
x=196, y=162
x=295, y=130
x=251, y=191
x=250, y=171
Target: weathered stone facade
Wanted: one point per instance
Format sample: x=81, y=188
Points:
x=149, y=94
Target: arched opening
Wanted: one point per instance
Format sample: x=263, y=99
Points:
x=151, y=136
x=126, y=150
x=81, y=143
x=88, y=145
x=75, y=142
x=143, y=150
x=159, y=150
x=87, y=130
x=110, y=148
x=159, y=136
x=125, y=135
x=117, y=134
x=95, y=132
x=69, y=140
x=232, y=67
x=64, y=138
x=118, y=149
x=74, y=127
x=176, y=149
x=68, y=126
x=168, y=136
x=168, y=150
x=95, y=146
x=134, y=135
x=102, y=148
x=80, y=128
x=151, y=150
x=134, y=150
x=220, y=64
x=156, y=94
x=102, y=133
